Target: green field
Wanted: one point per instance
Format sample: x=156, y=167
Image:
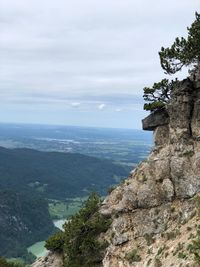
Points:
x=64, y=210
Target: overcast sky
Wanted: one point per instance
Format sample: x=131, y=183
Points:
x=84, y=62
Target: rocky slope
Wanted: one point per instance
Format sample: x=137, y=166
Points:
x=51, y=260
x=154, y=216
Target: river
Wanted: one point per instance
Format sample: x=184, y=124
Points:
x=38, y=248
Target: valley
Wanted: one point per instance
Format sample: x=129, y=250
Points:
x=126, y=146
x=61, y=166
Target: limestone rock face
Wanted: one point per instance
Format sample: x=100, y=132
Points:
x=155, y=119
x=156, y=202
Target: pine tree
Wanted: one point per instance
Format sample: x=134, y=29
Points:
x=184, y=51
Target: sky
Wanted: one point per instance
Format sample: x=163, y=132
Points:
x=84, y=62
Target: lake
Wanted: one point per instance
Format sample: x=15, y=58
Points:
x=38, y=248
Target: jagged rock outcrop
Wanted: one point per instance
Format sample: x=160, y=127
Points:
x=158, y=118
x=153, y=211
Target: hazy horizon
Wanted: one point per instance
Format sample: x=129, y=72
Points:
x=67, y=125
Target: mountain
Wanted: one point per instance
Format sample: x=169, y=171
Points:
x=57, y=175
x=156, y=211
x=24, y=220
x=154, y=214
x=29, y=177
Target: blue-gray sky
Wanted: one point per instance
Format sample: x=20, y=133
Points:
x=84, y=62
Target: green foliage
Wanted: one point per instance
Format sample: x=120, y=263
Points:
x=182, y=255
x=160, y=250
x=55, y=242
x=195, y=248
x=81, y=245
x=56, y=175
x=149, y=239
x=178, y=249
x=27, y=177
x=188, y=153
x=5, y=263
x=157, y=263
x=197, y=199
x=183, y=52
x=158, y=95
x=133, y=256
x=171, y=235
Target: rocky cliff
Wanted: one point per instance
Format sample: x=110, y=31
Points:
x=154, y=214
x=153, y=211
x=51, y=260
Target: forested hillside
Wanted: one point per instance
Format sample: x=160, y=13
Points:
x=30, y=179
x=56, y=175
x=24, y=219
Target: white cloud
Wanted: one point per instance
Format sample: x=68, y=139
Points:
x=74, y=50
x=101, y=106
x=118, y=109
x=75, y=104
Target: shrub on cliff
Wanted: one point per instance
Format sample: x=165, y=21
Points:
x=55, y=242
x=80, y=242
x=158, y=95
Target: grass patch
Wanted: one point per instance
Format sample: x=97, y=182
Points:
x=188, y=153
x=133, y=256
x=64, y=210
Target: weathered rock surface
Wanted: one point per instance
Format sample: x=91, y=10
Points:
x=153, y=211
x=51, y=260
x=155, y=119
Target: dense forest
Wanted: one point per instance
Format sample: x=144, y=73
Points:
x=57, y=175
x=24, y=219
